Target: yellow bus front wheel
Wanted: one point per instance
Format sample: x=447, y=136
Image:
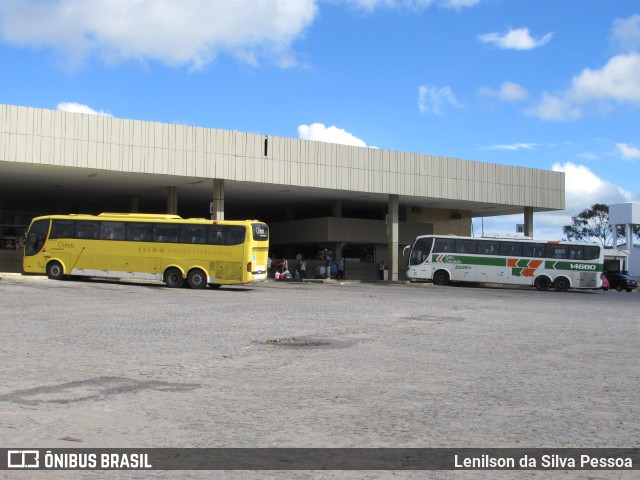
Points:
x=55, y=270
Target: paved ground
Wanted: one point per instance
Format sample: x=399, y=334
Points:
x=106, y=364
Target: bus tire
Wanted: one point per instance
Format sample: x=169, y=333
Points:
x=55, y=270
x=197, y=279
x=441, y=277
x=561, y=284
x=173, y=278
x=542, y=283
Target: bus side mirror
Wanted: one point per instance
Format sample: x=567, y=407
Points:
x=404, y=250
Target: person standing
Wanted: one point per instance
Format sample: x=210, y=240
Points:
x=302, y=268
x=270, y=266
x=334, y=270
x=327, y=266
x=381, y=268
x=341, y=269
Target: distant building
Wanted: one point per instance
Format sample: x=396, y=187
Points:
x=632, y=260
x=627, y=214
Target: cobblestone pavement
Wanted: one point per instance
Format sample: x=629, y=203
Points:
x=107, y=364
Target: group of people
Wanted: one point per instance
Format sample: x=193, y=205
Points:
x=280, y=269
x=334, y=270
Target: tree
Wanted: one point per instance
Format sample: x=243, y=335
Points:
x=592, y=225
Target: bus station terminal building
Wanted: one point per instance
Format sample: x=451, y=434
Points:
x=357, y=203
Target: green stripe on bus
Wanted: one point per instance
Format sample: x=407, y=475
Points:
x=521, y=263
x=464, y=260
x=575, y=266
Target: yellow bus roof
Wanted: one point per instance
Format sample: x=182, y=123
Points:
x=143, y=217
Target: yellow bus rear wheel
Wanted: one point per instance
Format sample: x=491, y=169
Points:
x=197, y=279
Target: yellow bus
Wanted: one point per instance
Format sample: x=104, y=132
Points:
x=195, y=251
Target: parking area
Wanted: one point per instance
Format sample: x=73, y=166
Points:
x=279, y=364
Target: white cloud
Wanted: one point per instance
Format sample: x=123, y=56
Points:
x=189, y=32
x=589, y=156
x=618, y=82
x=320, y=133
x=628, y=152
x=546, y=226
x=553, y=107
x=508, y=92
x=518, y=39
x=460, y=3
x=626, y=33
x=413, y=5
x=436, y=101
x=512, y=92
x=74, y=107
x=371, y=5
x=513, y=147
x=583, y=188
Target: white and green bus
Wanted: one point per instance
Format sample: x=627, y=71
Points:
x=509, y=261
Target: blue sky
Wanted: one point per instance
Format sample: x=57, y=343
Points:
x=538, y=83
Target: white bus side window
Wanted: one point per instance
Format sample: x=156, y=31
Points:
x=511, y=249
x=591, y=252
x=576, y=252
x=444, y=245
x=534, y=250
x=556, y=251
x=464, y=245
x=488, y=248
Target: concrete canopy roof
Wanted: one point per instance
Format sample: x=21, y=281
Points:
x=48, y=156
x=31, y=185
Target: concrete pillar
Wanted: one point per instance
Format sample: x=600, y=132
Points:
x=217, y=205
x=134, y=204
x=528, y=222
x=392, y=232
x=172, y=200
x=630, y=238
x=336, y=211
